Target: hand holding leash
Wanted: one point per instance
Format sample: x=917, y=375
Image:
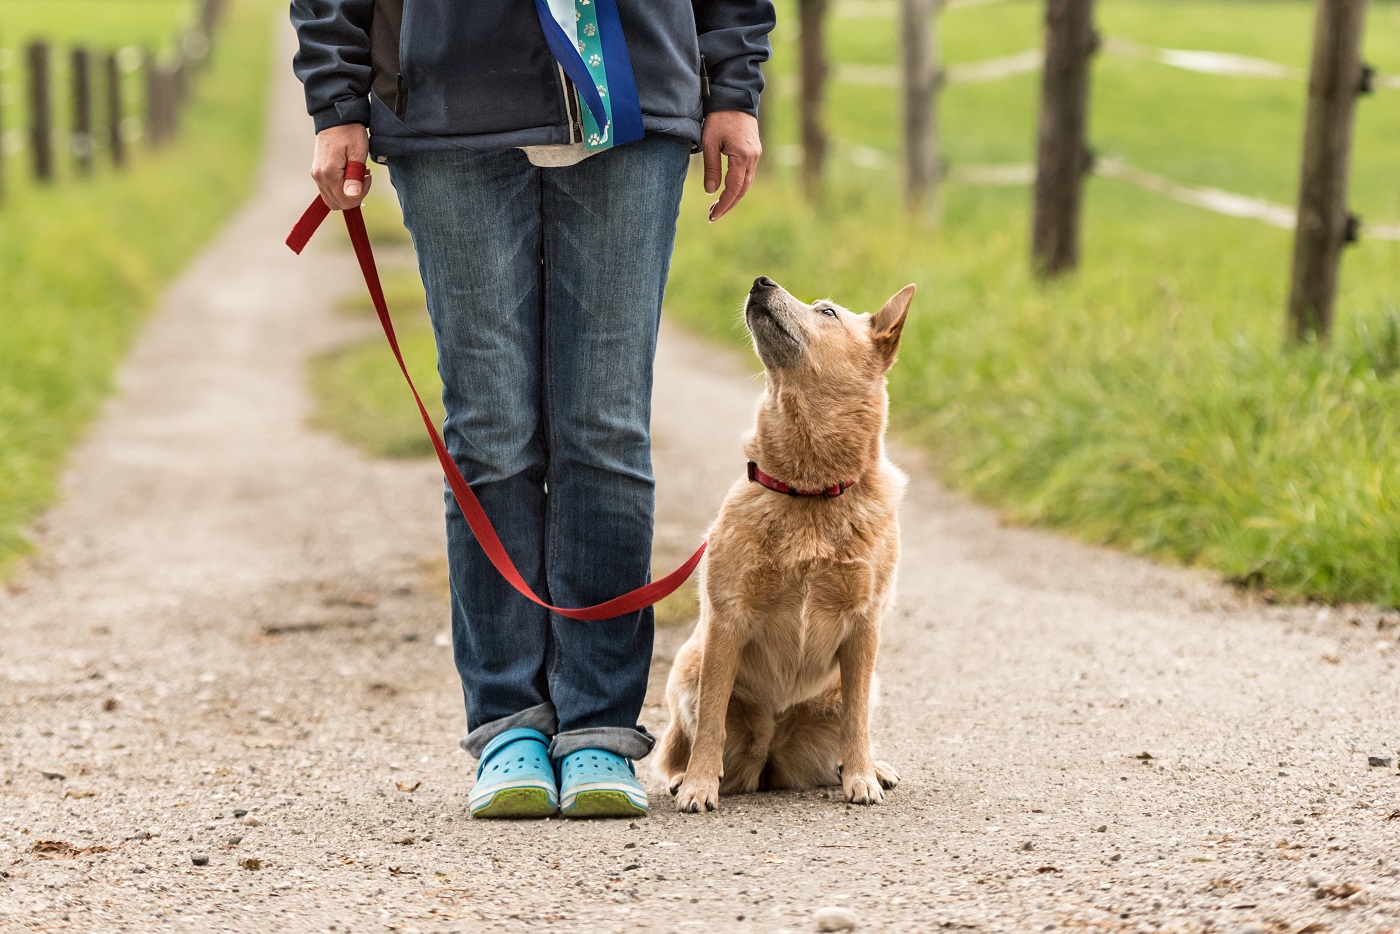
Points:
x=338, y=148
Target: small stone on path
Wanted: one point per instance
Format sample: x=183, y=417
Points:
x=1380, y=762
x=200, y=859
x=835, y=919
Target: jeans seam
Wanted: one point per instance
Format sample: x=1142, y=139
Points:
x=551, y=502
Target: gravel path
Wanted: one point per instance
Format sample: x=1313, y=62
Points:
x=235, y=614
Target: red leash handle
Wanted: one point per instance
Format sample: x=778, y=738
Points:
x=631, y=602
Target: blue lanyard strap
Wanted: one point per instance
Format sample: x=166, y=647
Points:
x=604, y=79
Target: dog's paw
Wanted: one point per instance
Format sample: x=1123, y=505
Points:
x=673, y=784
x=696, y=795
x=862, y=787
x=886, y=774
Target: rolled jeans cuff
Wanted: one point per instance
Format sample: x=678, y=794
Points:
x=624, y=741
x=541, y=717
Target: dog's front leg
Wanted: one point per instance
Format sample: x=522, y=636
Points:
x=719, y=663
x=856, y=656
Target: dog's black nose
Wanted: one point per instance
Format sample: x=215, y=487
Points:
x=763, y=282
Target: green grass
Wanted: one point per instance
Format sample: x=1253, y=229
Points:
x=104, y=23
x=362, y=394
x=82, y=262
x=1146, y=402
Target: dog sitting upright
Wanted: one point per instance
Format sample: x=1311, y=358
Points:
x=774, y=687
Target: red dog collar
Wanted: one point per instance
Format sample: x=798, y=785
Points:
x=778, y=486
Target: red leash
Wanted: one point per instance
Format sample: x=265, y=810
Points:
x=471, y=509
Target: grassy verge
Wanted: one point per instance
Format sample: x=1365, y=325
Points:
x=361, y=393
x=82, y=262
x=1145, y=402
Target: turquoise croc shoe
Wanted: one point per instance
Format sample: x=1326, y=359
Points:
x=515, y=777
x=597, y=783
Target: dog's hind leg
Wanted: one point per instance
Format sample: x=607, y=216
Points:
x=672, y=754
x=748, y=732
x=806, y=744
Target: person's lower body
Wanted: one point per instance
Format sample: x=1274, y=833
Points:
x=544, y=287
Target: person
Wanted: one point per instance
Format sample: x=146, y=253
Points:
x=539, y=152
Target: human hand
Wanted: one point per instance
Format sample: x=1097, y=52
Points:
x=336, y=146
x=734, y=135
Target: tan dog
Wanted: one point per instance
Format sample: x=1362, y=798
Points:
x=774, y=687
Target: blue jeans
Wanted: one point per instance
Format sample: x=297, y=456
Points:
x=544, y=287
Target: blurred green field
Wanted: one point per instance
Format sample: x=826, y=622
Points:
x=1147, y=402
x=83, y=261
x=97, y=22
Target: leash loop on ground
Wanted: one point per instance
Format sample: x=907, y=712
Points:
x=631, y=602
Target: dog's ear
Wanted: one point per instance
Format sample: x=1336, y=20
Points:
x=888, y=324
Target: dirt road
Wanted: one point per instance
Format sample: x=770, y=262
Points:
x=229, y=647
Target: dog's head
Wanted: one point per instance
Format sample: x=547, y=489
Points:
x=823, y=342
x=822, y=415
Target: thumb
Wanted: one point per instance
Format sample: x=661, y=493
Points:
x=357, y=151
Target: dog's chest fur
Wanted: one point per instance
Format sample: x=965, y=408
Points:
x=798, y=575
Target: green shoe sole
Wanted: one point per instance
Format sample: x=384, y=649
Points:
x=517, y=803
x=604, y=804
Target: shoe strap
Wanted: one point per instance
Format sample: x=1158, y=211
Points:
x=502, y=740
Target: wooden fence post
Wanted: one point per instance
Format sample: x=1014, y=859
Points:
x=210, y=12
x=150, y=92
x=922, y=77
x=1324, y=226
x=159, y=101
x=180, y=74
x=40, y=111
x=116, y=142
x=1063, y=155
x=82, y=110
x=813, y=69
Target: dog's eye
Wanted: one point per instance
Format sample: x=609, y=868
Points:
x=829, y=312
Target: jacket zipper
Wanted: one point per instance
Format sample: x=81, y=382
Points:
x=400, y=85
x=570, y=106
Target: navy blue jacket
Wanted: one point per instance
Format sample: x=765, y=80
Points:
x=477, y=74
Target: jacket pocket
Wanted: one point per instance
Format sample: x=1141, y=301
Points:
x=665, y=54
x=463, y=77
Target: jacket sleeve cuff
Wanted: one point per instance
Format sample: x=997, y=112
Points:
x=341, y=113
x=722, y=98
